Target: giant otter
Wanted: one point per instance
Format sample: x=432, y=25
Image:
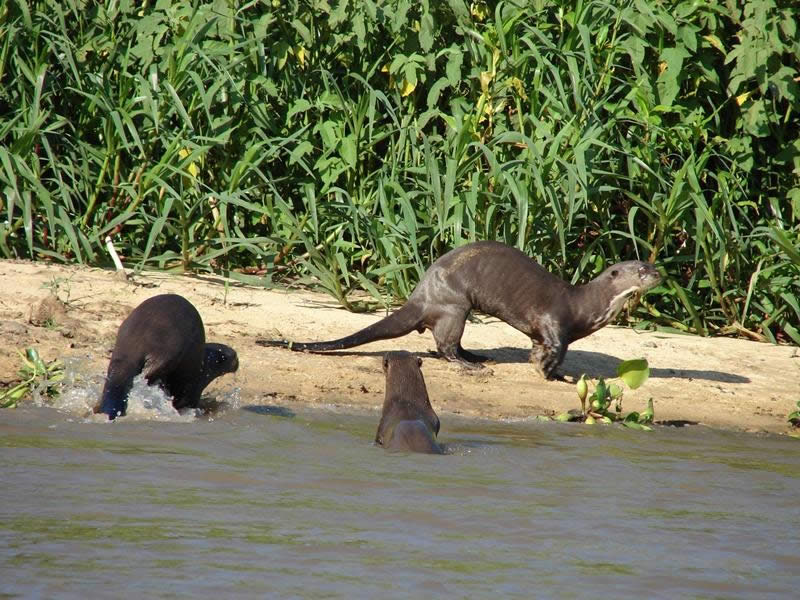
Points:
x=165, y=338
x=505, y=283
x=408, y=421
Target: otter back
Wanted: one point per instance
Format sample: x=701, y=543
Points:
x=408, y=421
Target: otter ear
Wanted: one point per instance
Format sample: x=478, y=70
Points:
x=385, y=363
x=419, y=361
x=614, y=272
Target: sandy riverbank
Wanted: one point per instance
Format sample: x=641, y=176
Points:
x=727, y=383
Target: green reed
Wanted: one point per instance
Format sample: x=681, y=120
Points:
x=348, y=144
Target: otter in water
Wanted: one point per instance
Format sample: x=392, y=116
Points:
x=408, y=421
x=505, y=283
x=165, y=338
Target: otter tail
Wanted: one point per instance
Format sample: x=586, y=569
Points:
x=404, y=320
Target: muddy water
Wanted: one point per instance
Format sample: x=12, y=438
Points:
x=286, y=502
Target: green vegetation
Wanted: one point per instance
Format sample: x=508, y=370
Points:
x=632, y=373
x=794, y=416
x=37, y=378
x=349, y=143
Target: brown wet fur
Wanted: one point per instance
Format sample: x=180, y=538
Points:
x=505, y=283
x=164, y=338
x=408, y=422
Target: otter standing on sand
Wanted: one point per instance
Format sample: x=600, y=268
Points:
x=165, y=338
x=505, y=283
x=408, y=421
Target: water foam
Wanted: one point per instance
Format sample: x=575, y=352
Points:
x=81, y=389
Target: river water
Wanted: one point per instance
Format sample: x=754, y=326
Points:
x=294, y=502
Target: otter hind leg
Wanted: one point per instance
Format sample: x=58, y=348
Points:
x=447, y=331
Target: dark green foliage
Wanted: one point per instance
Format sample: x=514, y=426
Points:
x=352, y=142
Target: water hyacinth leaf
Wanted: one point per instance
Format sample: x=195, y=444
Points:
x=582, y=388
x=633, y=372
x=631, y=416
x=601, y=391
x=647, y=415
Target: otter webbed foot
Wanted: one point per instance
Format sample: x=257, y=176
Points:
x=454, y=356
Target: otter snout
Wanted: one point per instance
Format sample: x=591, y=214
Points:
x=649, y=276
x=220, y=359
x=234, y=363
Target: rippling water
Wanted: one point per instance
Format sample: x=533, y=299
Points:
x=286, y=502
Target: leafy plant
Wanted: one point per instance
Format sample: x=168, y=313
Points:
x=794, y=417
x=38, y=377
x=632, y=373
x=57, y=285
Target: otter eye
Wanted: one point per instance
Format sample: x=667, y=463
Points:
x=614, y=273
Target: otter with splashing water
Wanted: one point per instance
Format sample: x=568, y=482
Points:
x=164, y=338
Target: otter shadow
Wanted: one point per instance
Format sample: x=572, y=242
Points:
x=604, y=365
x=677, y=423
x=270, y=410
x=576, y=363
x=597, y=364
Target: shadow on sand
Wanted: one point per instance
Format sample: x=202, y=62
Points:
x=576, y=362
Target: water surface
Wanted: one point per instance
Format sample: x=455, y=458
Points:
x=290, y=502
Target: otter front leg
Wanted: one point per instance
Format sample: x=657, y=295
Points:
x=547, y=355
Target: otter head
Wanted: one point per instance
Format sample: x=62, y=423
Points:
x=617, y=284
x=218, y=360
x=631, y=276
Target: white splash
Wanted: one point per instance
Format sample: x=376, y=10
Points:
x=82, y=386
x=151, y=403
x=81, y=389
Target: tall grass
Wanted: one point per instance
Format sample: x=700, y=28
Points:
x=348, y=144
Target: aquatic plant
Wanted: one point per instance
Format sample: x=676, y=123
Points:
x=38, y=378
x=794, y=417
x=632, y=373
